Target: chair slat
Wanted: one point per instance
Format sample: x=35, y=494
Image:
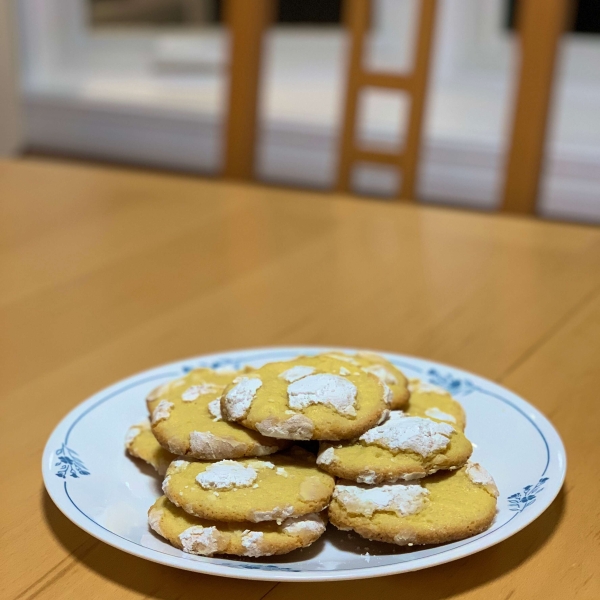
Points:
x=413, y=83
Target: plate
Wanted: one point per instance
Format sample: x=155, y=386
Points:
x=94, y=483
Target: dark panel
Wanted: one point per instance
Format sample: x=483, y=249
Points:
x=324, y=12
x=587, y=16
x=309, y=11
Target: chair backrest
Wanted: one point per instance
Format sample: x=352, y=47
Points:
x=414, y=84
x=540, y=24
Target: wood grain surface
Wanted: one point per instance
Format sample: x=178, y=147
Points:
x=105, y=272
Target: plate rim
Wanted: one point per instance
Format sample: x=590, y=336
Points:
x=249, y=570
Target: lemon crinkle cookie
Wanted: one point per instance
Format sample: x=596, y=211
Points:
x=187, y=421
x=206, y=538
x=316, y=398
x=433, y=402
x=442, y=508
x=141, y=443
x=402, y=448
x=249, y=489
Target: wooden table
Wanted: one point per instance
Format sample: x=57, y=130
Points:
x=106, y=271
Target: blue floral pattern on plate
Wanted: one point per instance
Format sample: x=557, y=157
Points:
x=69, y=463
x=521, y=500
x=453, y=385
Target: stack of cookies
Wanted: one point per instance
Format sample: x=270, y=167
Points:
x=392, y=462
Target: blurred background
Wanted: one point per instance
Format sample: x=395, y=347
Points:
x=145, y=82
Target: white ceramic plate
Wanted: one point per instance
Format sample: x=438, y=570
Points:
x=93, y=482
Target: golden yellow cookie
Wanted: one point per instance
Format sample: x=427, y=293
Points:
x=140, y=443
x=249, y=489
x=199, y=536
x=381, y=368
x=186, y=420
x=402, y=448
x=442, y=508
x=317, y=397
x=435, y=403
x=160, y=391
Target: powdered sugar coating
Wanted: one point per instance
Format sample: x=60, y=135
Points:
x=195, y=391
x=388, y=395
x=402, y=498
x=205, y=445
x=369, y=477
x=297, y=372
x=252, y=542
x=308, y=524
x=327, y=457
x=410, y=434
x=214, y=408
x=154, y=518
x=200, y=540
x=385, y=415
x=261, y=464
x=225, y=475
x=436, y=413
x=240, y=397
x=279, y=514
x=178, y=465
x=478, y=475
x=326, y=389
x=132, y=433
x=161, y=411
x=297, y=427
x=382, y=374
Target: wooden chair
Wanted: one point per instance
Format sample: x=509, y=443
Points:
x=540, y=24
